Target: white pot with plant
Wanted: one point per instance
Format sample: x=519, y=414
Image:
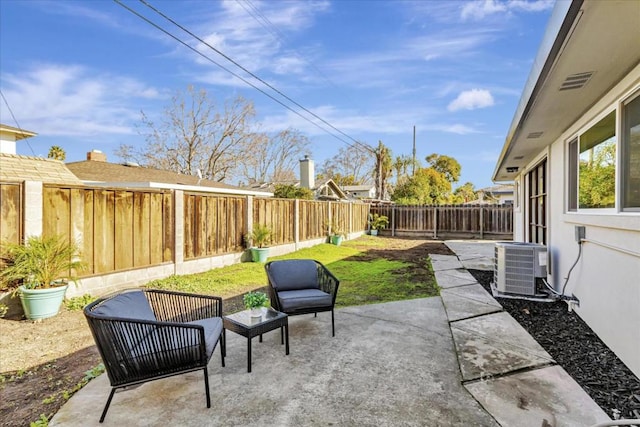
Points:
x=39, y=271
x=254, y=301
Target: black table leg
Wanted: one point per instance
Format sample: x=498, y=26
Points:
x=249, y=354
x=281, y=335
x=286, y=330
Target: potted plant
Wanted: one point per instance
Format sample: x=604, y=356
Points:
x=259, y=237
x=42, y=269
x=378, y=222
x=336, y=234
x=254, y=301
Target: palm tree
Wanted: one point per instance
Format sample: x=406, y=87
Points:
x=56, y=152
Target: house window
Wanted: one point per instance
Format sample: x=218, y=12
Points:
x=597, y=165
x=630, y=148
x=537, y=207
x=573, y=175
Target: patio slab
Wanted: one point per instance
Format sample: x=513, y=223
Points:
x=468, y=301
x=542, y=397
x=495, y=344
x=389, y=364
x=474, y=254
x=453, y=278
x=448, y=264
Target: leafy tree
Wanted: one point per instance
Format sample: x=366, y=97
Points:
x=57, y=152
x=448, y=166
x=193, y=135
x=426, y=187
x=464, y=194
x=351, y=166
x=292, y=192
x=401, y=166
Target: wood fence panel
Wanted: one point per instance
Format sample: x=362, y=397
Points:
x=278, y=214
x=169, y=227
x=10, y=213
x=155, y=229
x=123, y=218
x=141, y=230
x=103, y=232
x=312, y=218
x=188, y=226
x=360, y=216
x=88, y=253
x=56, y=211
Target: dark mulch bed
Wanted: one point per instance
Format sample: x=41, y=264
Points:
x=575, y=347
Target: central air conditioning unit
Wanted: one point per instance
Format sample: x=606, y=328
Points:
x=518, y=265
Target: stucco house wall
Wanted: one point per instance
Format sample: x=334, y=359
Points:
x=606, y=277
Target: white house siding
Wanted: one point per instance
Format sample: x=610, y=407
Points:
x=606, y=281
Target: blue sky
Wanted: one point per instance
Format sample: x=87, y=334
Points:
x=79, y=72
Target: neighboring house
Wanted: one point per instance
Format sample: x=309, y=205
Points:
x=16, y=168
x=97, y=171
x=573, y=151
x=8, y=137
x=326, y=190
x=499, y=194
x=360, y=191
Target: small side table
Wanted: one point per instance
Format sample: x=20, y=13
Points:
x=243, y=324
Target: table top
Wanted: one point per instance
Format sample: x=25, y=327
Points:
x=243, y=318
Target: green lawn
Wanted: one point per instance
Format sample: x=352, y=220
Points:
x=363, y=279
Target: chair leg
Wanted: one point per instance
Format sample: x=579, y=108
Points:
x=333, y=328
x=223, y=350
x=106, y=407
x=206, y=386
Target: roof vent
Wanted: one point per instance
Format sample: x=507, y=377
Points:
x=576, y=81
x=512, y=169
x=534, y=135
x=518, y=158
x=131, y=164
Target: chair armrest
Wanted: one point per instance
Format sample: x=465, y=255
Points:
x=327, y=281
x=172, y=306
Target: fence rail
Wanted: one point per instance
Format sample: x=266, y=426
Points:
x=471, y=221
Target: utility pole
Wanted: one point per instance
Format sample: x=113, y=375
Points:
x=413, y=164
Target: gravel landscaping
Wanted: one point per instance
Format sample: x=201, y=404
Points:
x=575, y=347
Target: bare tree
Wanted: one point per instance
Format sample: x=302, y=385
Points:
x=192, y=135
x=273, y=158
x=352, y=165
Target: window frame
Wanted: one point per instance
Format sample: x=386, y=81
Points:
x=624, y=150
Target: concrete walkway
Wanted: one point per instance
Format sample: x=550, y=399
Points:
x=442, y=361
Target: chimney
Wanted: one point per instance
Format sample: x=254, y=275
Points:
x=307, y=174
x=96, y=156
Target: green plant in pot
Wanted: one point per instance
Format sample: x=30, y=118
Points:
x=336, y=233
x=254, y=301
x=40, y=271
x=378, y=222
x=258, y=239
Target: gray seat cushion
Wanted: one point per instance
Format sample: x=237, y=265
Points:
x=127, y=305
x=212, y=331
x=294, y=274
x=303, y=299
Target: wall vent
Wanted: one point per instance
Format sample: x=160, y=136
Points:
x=576, y=81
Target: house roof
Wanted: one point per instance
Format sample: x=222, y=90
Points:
x=498, y=189
x=16, y=132
x=319, y=191
x=358, y=187
x=14, y=167
x=132, y=175
x=588, y=47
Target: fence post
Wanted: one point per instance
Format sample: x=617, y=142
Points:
x=435, y=222
x=393, y=221
x=178, y=233
x=33, y=221
x=249, y=214
x=296, y=222
x=481, y=222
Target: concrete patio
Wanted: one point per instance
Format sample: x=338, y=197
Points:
x=454, y=360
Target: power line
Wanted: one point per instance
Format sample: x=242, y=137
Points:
x=252, y=75
x=15, y=120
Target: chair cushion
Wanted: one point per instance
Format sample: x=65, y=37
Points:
x=294, y=274
x=302, y=299
x=128, y=305
x=212, y=331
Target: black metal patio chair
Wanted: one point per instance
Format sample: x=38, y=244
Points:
x=148, y=334
x=302, y=286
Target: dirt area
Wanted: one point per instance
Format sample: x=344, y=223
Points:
x=41, y=363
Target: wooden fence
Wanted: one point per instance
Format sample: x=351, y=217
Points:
x=464, y=221
x=11, y=208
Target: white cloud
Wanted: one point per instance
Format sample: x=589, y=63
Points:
x=479, y=9
x=70, y=100
x=471, y=100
